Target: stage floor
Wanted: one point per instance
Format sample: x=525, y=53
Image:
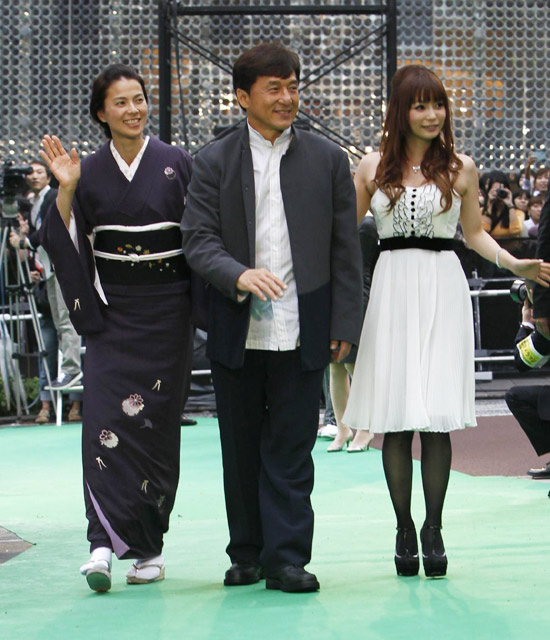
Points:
x=496, y=521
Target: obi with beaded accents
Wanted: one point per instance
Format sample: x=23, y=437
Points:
x=148, y=254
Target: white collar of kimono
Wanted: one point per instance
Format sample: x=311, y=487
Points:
x=129, y=171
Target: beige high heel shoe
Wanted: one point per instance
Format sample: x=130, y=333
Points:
x=360, y=443
x=340, y=442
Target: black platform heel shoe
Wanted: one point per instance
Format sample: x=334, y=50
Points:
x=406, y=552
x=433, y=551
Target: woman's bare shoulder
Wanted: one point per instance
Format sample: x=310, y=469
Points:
x=468, y=165
x=367, y=169
x=467, y=175
x=371, y=160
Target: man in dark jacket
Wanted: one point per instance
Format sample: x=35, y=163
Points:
x=270, y=223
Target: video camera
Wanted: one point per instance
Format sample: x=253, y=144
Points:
x=13, y=183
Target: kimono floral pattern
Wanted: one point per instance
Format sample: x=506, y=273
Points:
x=133, y=405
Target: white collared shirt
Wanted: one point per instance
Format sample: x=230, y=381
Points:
x=274, y=326
x=129, y=171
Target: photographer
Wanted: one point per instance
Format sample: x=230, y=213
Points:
x=500, y=218
x=530, y=404
x=57, y=329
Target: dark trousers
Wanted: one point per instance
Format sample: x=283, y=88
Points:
x=268, y=414
x=524, y=403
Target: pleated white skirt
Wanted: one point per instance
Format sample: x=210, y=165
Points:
x=415, y=364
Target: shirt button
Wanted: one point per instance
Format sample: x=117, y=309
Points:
x=412, y=233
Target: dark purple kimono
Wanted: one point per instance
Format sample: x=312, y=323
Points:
x=137, y=348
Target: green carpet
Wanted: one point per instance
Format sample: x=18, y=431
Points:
x=496, y=534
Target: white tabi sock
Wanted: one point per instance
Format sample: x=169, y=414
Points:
x=101, y=554
x=147, y=568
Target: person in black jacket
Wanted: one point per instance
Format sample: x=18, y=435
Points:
x=270, y=224
x=530, y=404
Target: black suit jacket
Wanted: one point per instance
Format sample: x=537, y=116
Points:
x=219, y=241
x=34, y=235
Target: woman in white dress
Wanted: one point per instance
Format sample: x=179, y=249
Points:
x=415, y=366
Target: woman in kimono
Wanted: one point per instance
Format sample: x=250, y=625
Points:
x=114, y=239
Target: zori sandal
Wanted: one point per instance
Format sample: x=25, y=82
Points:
x=145, y=571
x=98, y=575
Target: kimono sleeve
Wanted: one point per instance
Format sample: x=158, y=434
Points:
x=74, y=269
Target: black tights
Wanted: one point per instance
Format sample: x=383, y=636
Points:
x=435, y=464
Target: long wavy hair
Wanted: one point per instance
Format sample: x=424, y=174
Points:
x=440, y=164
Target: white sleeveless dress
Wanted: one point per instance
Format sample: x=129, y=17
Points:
x=415, y=364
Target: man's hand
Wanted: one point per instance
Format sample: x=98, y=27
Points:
x=339, y=349
x=23, y=225
x=14, y=239
x=261, y=283
x=527, y=312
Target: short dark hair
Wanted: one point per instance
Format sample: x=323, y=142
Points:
x=102, y=83
x=521, y=192
x=535, y=200
x=42, y=164
x=265, y=59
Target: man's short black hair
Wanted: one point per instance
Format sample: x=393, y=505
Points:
x=265, y=59
x=43, y=164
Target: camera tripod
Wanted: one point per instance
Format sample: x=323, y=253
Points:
x=14, y=314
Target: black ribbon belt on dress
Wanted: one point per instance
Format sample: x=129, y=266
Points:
x=418, y=242
x=140, y=243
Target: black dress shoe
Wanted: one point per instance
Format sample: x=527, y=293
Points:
x=540, y=474
x=292, y=579
x=241, y=573
x=186, y=421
